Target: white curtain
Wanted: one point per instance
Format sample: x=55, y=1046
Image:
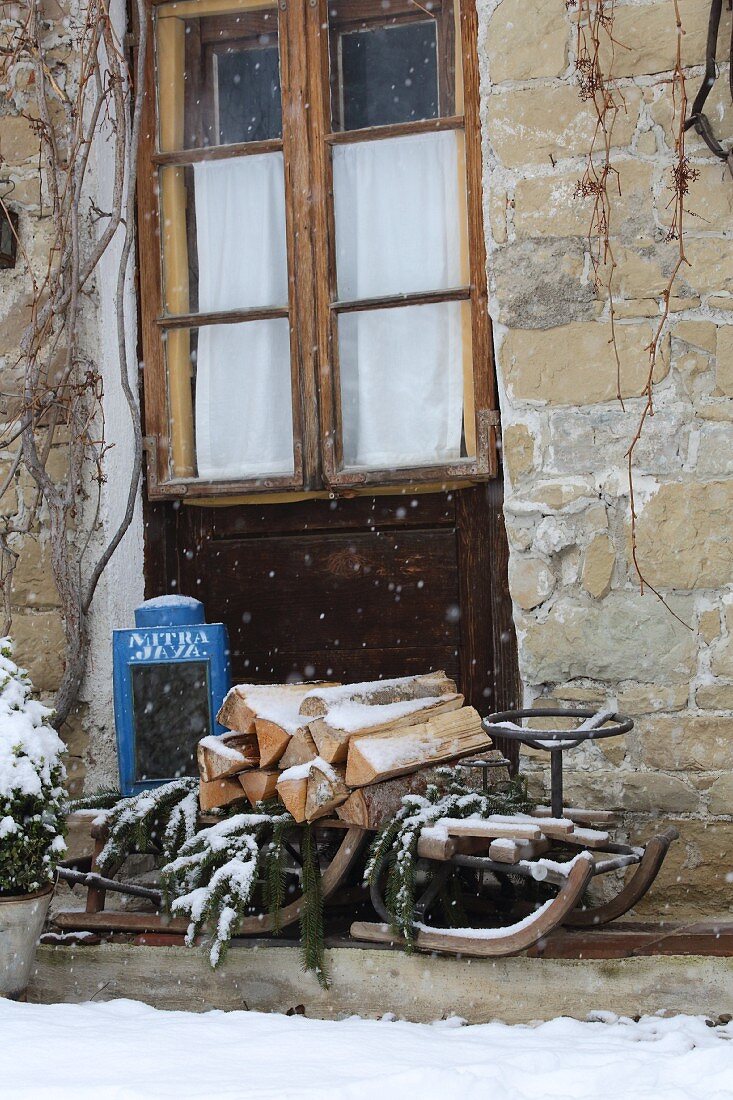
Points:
x=244, y=425
x=398, y=209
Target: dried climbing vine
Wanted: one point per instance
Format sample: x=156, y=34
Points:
x=596, y=52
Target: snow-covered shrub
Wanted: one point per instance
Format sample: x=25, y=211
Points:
x=31, y=795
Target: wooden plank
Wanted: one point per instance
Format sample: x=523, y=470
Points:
x=582, y=837
x=374, y=662
x=298, y=212
x=367, y=514
x=333, y=743
x=504, y=667
x=483, y=827
x=376, y=692
x=259, y=785
x=394, y=301
x=171, y=35
x=116, y=921
x=224, y=317
x=581, y=817
x=505, y=850
x=445, y=737
x=218, y=152
x=483, y=360
x=332, y=591
x=394, y=129
x=150, y=291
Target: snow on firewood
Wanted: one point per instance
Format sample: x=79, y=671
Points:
x=352, y=715
x=317, y=702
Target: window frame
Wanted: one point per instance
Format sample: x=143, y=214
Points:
x=313, y=307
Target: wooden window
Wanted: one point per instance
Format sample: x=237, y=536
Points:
x=313, y=280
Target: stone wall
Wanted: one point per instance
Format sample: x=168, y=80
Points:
x=586, y=633
x=37, y=627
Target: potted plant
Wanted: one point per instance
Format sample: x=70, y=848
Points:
x=31, y=821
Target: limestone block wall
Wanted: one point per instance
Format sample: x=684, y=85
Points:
x=586, y=633
x=37, y=628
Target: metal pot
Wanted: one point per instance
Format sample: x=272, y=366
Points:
x=21, y=922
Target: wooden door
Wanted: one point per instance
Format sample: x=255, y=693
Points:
x=350, y=589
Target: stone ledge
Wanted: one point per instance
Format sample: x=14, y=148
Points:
x=370, y=982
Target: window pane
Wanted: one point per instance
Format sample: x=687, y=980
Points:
x=218, y=78
x=248, y=94
x=392, y=62
x=400, y=212
x=402, y=383
x=223, y=228
x=170, y=714
x=230, y=393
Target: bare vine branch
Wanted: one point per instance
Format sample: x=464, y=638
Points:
x=72, y=107
x=596, y=46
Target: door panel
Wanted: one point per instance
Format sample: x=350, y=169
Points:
x=350, y=589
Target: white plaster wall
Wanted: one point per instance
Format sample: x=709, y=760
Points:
x=122, y=586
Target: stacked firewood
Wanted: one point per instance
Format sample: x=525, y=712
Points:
x=349, y=749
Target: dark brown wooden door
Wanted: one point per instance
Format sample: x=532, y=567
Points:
x=350, y=589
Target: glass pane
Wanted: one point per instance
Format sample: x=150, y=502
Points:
x=216, y=254
x=218, y=77
x=392, y=62
x=170, y=703
x=230, y=400
x=403, y=374
x=248, y=94
x=400, y=210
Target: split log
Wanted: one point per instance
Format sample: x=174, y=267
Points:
x=371, y=806
x=361, y=719
x=292, y=794
x=245, y=702
x=220, y=792
x=373, y=692
x=259, y=785
x=273, y=740
x=218, y=758
x=386, y=755
x=326, y=789
x=301, y=748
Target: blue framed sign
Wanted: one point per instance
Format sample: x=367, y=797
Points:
x=171, y=673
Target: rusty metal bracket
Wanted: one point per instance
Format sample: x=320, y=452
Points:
x=698, y=120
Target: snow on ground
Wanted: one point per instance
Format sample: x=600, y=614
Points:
x=125, y=1050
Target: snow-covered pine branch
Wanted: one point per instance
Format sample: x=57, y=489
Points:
x=213, y=877
x=31, y=774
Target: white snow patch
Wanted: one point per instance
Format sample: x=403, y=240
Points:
x=171, y=601
x=350, y=716
x=131, y=1051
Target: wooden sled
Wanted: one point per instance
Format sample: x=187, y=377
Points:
x=495, y=931
x=339, y=847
